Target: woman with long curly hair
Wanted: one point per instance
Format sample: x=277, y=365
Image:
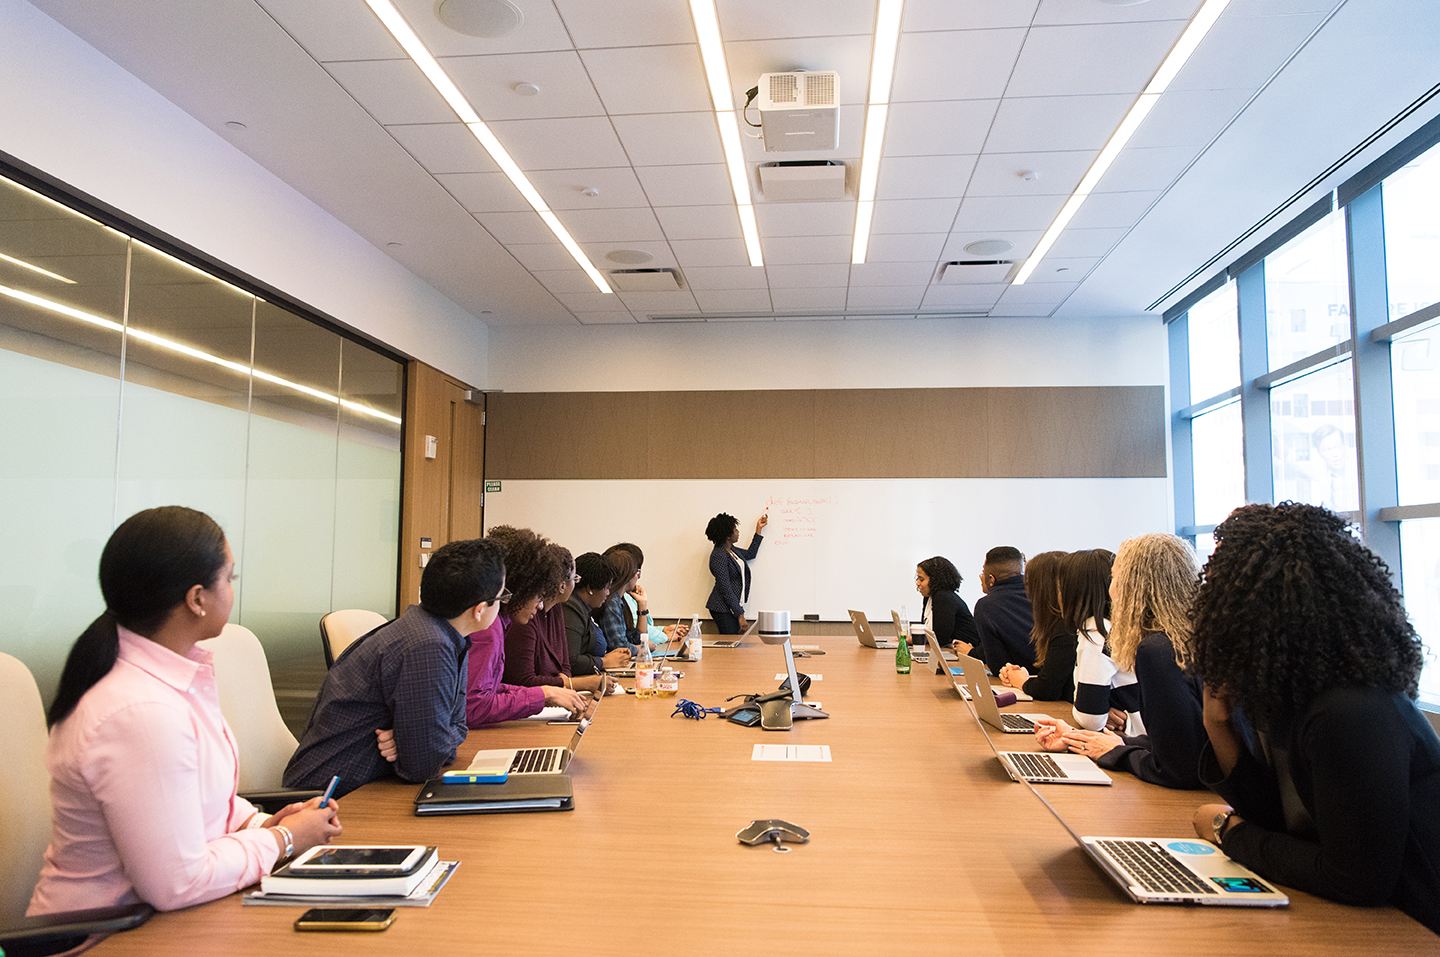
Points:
x=1311, y=670
x=943, y=610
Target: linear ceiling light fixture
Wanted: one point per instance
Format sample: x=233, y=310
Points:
x=446, y=87
x=712, y=52
x=882, y=70
x=34, y=268
x=1200, y=25
x=173, y=346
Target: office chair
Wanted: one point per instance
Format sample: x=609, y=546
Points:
x=247, y=699
x=339, y=629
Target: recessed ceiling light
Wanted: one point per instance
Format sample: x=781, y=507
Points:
x=489, y=19
x=589, y=191
x=393, y=245
x=989, y=247
x=629, y=257
x=882, y=71
x=1028, y=175
x=525, y=89
x=235, y=124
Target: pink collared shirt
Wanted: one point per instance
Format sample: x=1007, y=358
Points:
x=142, y=778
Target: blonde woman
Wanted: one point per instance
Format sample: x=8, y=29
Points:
x=1151, y=588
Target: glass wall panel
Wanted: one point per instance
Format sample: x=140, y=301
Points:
x=290, y=495
x=367, y=486
x=1420, y=573
x=1307, y=292
x=1214, y=344
x=1217, y=438
x=1313, y=439
x=187, y=364
x=62, y=286
x=1412, y=234
x=1415, y=373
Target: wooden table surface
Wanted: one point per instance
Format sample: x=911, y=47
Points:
x=920, y=843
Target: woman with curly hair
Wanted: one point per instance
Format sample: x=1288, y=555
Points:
x=1311, y=670
x=945, y=613
x=1054, y=642
x=730, y=567
x=1151, y=587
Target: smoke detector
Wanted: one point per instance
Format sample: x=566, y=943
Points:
x=799, y=111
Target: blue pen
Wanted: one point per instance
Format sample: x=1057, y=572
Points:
x=325, y=801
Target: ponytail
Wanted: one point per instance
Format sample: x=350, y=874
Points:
x=91, y=659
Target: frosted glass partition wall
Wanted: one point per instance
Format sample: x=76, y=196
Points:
x=129, y=379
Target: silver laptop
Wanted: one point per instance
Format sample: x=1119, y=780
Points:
x=983, y=696
x=528, y=761
x=943, y=668
x=1166, y=870
x=866, y=636
x=732, y=642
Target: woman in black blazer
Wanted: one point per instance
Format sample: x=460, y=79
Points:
x=945, y=612
x=732, y=575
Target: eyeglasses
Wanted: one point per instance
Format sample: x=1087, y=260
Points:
x=504, y=596
x=575, y=579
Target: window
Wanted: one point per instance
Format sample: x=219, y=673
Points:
x=1214, y=344
x=1307, y=293
x=1420, y=559
x=1415, y=372
x=1217, y=439
x=1412, y=234
x=1312, y=439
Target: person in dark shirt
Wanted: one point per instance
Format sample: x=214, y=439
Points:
x=1311, y=670
x=394, y=701
x=1002, y=617
x=944, y=611
x=1054, y=642
x=588, y=654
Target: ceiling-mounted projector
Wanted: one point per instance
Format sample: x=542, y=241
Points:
x=799, y=111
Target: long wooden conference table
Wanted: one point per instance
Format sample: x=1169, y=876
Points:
x=920, y=843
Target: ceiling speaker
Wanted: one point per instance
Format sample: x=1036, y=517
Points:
x=488, y=19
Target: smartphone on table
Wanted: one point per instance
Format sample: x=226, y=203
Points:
x=346, y=918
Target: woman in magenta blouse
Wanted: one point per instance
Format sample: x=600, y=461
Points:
x=143, y=767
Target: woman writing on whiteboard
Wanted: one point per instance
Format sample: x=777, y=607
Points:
x=732, y=573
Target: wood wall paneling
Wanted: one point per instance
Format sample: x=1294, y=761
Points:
x=725, y=435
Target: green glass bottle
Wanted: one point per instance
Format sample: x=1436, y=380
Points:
x=902, y=653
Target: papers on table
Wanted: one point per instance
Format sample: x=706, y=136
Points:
x=791, y=752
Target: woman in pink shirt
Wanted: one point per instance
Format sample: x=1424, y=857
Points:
x=143, y=767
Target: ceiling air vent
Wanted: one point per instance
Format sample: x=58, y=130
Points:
x=795, y=180
x=962, y=271
x=645, y=280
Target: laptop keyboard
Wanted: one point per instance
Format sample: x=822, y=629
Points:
x=535, y=760
x=1147, y=864
x=1037, y=765
x=1015, y=722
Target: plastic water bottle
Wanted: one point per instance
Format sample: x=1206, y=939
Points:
x=694, y=646
x=644, y=670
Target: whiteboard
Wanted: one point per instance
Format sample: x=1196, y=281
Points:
x=832, y=544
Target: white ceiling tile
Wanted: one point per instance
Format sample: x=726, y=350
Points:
x=659, y=250
x=680, y=302
x=667, y=139
x=967, y=14
x=808, y=277
x=1262, y=8
x=734, y=300
x=847, y=55
x=580, y=143
x=1023, y=240
x=1139, y=169
x=592, y=301
x=805, y=219
x=699, y=222
x=668, y=79
x=749, y=19
x=519, y=228
x=955, y=64
x=911, y=247
x=791, y=250
x=1242, y=52
x=975, y=294
x=1112, y=209
x=1068, y=11
x=611, y=225
x=913, y=216
x=392, y=91
x=484, y=192
x=710, y=252
x=938, y=128
x=538, y=257
x=1031, y=124
x=1086, y=242
x=789, y=300
x=923, y=177
x=1059, y=269
x=1038, y=310
x=627, y=23
x=980, y=213
x=707, y=185
x=708, y=278
x=884, y=297
x=891, y=274
x=998, y=174
x=852, y=137
x=1076, y=60
x=1189, y=117
x=564, y=280
x=541, y=30
x=444, y=147
x=604, y=318
x=1046, y=293
x=486, y=81
x=562, y=188
x=330, y=29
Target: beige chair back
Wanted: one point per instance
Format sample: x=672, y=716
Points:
x=247, y=699
x=340, y=628
x=24, y=788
